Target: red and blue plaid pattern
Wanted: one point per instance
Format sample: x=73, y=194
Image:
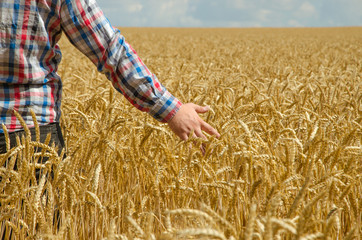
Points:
x=29, y=57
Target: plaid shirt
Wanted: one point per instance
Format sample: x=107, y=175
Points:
x=29, y=58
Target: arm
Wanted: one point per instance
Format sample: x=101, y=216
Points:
x=90, y=31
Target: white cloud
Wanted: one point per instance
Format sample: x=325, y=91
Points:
x=171, y=7
x=239, y=4
x=134, y=7
x=307, y=10
x=190, y=21
x=235, y=24
x=172, y=13
x=228, y=13
x=263, y=15
x=294, y=23
x=286, y=4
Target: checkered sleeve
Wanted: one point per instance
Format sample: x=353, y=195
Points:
x=90, y=31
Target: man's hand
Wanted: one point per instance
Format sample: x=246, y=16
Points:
x=187, y=119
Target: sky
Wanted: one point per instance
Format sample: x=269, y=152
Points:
x=233, y=13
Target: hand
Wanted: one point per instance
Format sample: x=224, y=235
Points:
x=187, y=119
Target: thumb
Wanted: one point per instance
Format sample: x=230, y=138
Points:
x=201, y=109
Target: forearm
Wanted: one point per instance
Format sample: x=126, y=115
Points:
x=90, y=31
x=131, y=77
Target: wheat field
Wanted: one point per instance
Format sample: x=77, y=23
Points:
x=288, y=164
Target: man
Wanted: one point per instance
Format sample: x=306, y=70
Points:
x=29, y=58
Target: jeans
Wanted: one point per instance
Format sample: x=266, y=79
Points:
x=53, y=128
x=56, y=138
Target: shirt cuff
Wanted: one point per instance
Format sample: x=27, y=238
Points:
x=165, y=108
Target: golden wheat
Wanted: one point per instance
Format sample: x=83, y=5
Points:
x=287, y=103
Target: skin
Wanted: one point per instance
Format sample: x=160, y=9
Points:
x=188, y=119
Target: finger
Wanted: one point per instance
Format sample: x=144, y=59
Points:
x=200, y=109
x=183, y=136
x=203, y=149
x=202, y=146
x=194, y=135
x=210, y=130
x=193, y=142
x=200, y=135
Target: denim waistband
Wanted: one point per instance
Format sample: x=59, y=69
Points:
x=52, y=128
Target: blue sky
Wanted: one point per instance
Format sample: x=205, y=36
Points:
x=233, y=13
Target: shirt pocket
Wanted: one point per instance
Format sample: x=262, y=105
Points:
x=19, y=23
